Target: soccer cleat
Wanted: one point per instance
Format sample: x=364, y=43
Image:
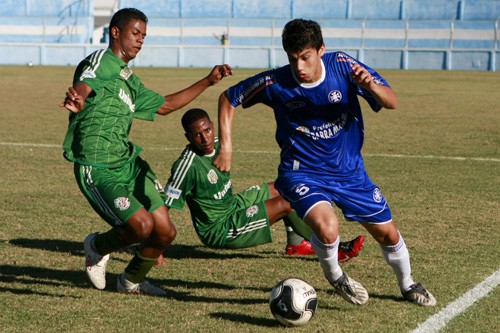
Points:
x=95, y=263
x=350, y=249
x=142, y=288
x=419, y=295
x=350, y=290
x=304, y=248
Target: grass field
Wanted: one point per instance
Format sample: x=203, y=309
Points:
x=436, y=159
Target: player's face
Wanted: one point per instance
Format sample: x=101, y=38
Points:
x=306, y=64
x=201, y=136
x=128, y=41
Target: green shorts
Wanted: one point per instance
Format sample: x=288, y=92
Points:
x=117, y=193
x=248, y=225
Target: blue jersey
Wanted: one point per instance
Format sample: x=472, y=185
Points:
x=319, y=126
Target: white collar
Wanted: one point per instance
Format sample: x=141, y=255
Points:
x=313, y=84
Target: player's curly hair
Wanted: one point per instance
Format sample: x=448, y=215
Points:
x=300, y=34
x=192, y=116
x=122, y=17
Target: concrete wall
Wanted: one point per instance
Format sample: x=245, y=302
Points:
x=392, y=34
x=250, y=57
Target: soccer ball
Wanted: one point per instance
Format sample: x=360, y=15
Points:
x=293, y=302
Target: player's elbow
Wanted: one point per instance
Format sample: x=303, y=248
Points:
x=393, y=105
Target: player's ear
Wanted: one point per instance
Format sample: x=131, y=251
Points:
x=115, y=32
x=321, y=50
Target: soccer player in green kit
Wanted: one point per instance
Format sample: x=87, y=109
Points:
x=120, y=186
x=223, y=219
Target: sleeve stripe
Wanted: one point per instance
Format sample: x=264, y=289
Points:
x=180, y=172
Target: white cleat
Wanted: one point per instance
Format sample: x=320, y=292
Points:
x=350, y=290
x=95, y=263
x=419, y=295
x=142, y=288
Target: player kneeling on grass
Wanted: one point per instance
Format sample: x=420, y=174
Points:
x=222, y=219
x=120, y=186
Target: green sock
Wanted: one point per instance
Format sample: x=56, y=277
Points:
x=108, y=242
x=292, y=238
x=138, y=267
x=299, y=226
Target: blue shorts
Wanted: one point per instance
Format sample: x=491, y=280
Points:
x=358, y=198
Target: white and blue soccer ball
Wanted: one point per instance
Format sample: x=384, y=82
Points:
x=293, y=302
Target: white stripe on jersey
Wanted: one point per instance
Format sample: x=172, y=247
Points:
x=255, y=225
x=89, y=183
x=181, y=171
x=95, y=60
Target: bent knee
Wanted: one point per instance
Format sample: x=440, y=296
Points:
x=165, y=232
x=142, y=227
x=170, y=234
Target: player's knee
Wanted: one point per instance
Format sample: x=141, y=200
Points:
x=327, y=232
x=283, y=205
x=143, y=227
x=168, y=235
x=164, y=231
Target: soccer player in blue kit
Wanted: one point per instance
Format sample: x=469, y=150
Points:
x=320, y=131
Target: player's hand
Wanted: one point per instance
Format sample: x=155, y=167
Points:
x=361, y=76
x=222, y=161
x=218, y=73
x=73, y=101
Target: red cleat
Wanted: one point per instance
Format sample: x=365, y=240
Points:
x=304, y=248
x=348, y=250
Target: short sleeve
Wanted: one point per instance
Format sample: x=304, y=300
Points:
x=147, y=103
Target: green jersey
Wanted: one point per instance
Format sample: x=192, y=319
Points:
x=98, y=134
x=207, y=191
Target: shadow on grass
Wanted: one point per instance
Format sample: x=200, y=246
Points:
x=239, y=318
x=34, y=277
x=55, y=245
x=175, y=251
x=42, y=276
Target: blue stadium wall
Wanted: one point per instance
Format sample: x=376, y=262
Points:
x=386, y=34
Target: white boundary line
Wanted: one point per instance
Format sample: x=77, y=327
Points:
x=432, y=157
x=438, y=321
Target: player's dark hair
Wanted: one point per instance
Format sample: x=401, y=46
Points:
x=191, y=116
x=300, y=34
x=122, y=17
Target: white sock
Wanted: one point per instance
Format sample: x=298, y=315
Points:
x=328, y=258
x=398, y=257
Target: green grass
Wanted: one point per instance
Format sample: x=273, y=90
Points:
x=447, y=209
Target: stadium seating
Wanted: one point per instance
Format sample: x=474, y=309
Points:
x=46, y=21
x=434, y=33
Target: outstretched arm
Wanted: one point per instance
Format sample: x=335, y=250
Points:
x=226, y=115
x=384, y=95
x=183, y=97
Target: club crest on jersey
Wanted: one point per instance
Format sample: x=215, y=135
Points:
x=251, y=211
x=126, y=72
x=334, y=96
x=377, y=195
x=212, y=177
x=122, y=203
